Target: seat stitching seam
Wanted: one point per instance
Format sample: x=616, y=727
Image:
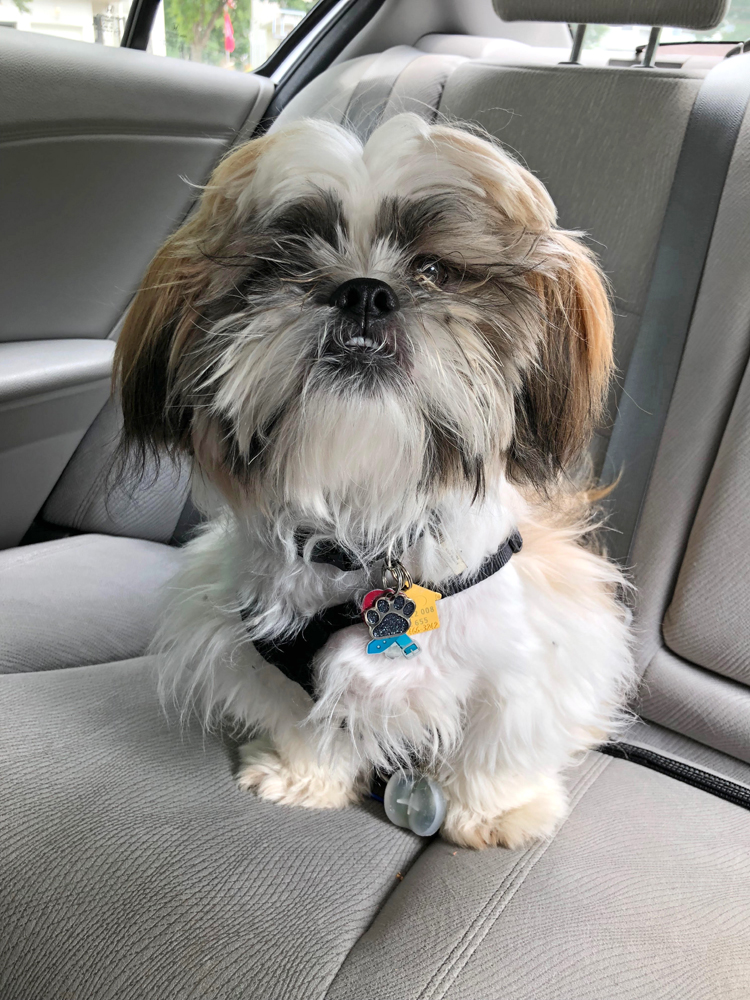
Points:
x=37, y=556
x=487, y=63
x=487, y=917
x=520, y=865
x=482, y=924
x=427, y=842
x=519, y=868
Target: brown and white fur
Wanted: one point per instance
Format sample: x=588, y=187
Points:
x=435, y=428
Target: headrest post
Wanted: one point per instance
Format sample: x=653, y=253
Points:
x=575, y=52
x=650, y=53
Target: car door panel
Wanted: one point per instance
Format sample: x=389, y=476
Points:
x=100, y=152
x=50, y=392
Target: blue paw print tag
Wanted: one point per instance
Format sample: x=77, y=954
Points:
x=387, y=614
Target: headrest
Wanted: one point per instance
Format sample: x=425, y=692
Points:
x=699, y=15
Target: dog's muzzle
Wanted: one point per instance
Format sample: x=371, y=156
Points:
x=366, y=301
x=366, y=308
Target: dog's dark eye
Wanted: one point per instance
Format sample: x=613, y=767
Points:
x=431, y=270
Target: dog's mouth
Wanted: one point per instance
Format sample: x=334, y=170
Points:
x=377, y=347
x=368, y=343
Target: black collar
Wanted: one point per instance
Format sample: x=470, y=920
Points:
x=294, y=657
x=330, y=552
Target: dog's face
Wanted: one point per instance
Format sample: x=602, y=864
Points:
x=339, y=326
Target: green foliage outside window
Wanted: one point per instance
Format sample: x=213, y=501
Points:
x=195, y=29
x=736, y=25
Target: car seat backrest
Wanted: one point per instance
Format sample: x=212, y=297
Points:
x=90, y=496
x=609, y=170
x=692, y=550
x=708, y=620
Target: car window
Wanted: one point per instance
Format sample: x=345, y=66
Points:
x=81, y=20
x=238, y=34
x=625, y=38
x=233, y=34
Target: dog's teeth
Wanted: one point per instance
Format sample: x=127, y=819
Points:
x=360, y=342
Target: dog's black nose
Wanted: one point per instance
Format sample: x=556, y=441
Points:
x=365, y=299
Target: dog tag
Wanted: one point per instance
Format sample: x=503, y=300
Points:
x=425, y=617
x=387, y=615
x=369, y=599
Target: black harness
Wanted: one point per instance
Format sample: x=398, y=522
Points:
x=294, y=656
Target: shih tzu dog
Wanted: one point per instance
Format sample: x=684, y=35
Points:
x=384, y=363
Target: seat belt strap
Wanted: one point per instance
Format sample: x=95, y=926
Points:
x=702, y=166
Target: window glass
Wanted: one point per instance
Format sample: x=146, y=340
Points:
x=624, y=38
x=83, y=20
x=236, y=34
x=233, y=34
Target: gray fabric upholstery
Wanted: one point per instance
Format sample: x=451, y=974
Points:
x=419, y=86
x=506, y=51
x=132, y=868
x=80, y=600
x=679, y=747
x=708, y=621
x=87, y=498
x=509, y=52
x=697, y=703
x=705, y=706
x=701, y=15
x=713, y=365
x=593, y=164
x=362, y=92
x=707, y=150
x=365, y=108
x=642, y=895
x=328, y=95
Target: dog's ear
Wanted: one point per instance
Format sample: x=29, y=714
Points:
x=164, y=318
x=563, y=394
x=160, y=319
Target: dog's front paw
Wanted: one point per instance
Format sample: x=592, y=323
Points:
x=537, y=819
x=301, y=783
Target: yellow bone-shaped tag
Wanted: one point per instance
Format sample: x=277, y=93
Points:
x=425, y=618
